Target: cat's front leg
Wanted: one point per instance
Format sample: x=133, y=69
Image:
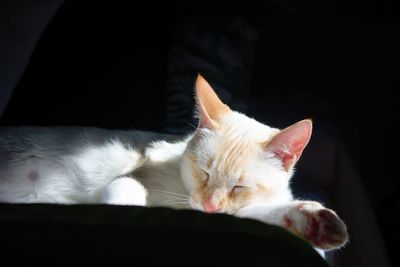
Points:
x=124, y=191
x=320, y=226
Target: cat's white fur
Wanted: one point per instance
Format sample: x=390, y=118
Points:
x=89, y=165
x=261, y=166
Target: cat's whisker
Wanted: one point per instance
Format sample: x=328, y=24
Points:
x=173, y=205
x=192, y=125
x=176, y=202
x=178, y=199
x=173, y=201
x=170, y=193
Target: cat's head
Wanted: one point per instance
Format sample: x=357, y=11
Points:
x=233, y=160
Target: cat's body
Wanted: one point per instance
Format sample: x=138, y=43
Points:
x=231, y=164
x=71, y=165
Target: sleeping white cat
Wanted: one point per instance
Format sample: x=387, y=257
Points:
x=230, y=164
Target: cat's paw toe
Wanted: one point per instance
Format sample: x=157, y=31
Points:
x=325, y=229
x=318, y=225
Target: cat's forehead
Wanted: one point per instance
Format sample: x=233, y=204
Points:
x=237, y=142
x=232, y=155
x=240, y=126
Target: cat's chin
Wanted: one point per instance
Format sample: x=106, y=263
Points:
x=197, y=206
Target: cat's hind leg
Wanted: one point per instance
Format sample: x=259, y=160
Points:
x=124, y=191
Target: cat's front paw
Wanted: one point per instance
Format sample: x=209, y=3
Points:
x=318, y=225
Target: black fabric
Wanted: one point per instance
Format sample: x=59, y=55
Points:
x=57, y=235
x=96, y=65
x=221, y=48
x=21, y=25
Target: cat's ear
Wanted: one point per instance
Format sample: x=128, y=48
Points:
x=289, y=143
x=209, y=106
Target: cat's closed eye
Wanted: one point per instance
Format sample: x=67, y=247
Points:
x=237, y=189
x=205, y=177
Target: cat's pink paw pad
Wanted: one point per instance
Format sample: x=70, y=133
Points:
x=318, y=225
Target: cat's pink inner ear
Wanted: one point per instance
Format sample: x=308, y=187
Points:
x=288, y=145
x=209, y=106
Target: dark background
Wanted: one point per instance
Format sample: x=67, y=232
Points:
x=105, y=65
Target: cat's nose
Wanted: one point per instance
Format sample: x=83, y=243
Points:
x=209, y=208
